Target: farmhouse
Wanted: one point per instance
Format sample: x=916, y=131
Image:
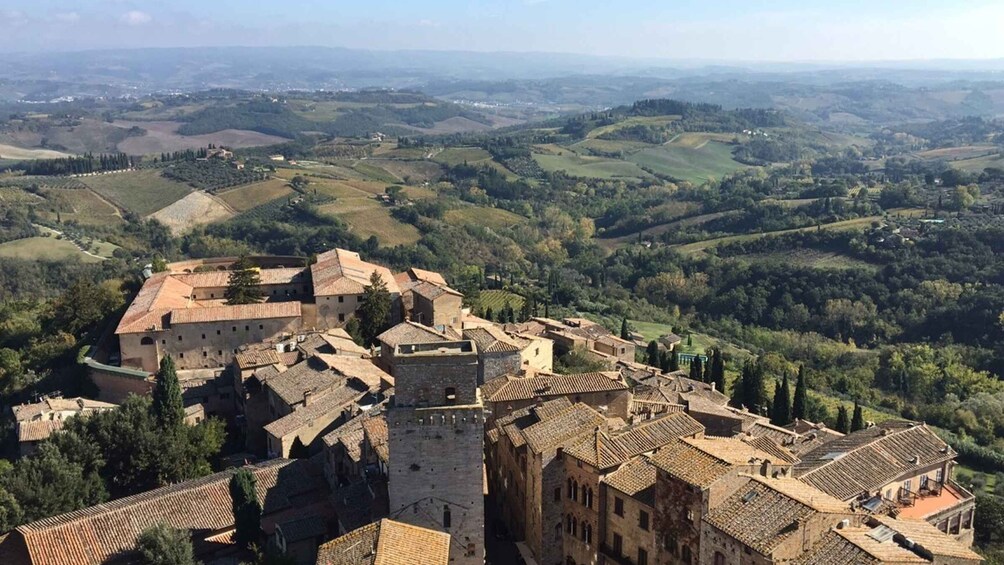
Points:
x=182, y=312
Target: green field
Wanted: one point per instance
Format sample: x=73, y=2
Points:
x=494, y=218
x=143, y=192
x=700, y=342
x=977, y=164
x=698, y=164
x=366, y=217
x=658, y=121
x=454, y=156
x=590, y=167
x=44, y=249
x=812, y=258
x=497, y=299
x=79, y=205
x=249, y=196
x=371, y=171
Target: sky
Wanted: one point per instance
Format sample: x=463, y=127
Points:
x=709, y=30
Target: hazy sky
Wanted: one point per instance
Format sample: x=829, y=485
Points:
x=764, y=30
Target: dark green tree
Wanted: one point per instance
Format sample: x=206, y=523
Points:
x=858, y=420
x=748, y=390
x=625, y=334
x=168, y=405
x=247, y=509
x=780, y=414
x=163, y=545
x=244, y=284
x=696, y=369
x=988, y=528
x=843, y=425
x=49, y=483
x=374, y=312
x=674, y=361
x=707, y=370
x=718, y=371
x=665, y=358
x=799, y=404
x=652, y=353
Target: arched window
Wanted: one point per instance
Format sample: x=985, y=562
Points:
x=584, y=495
x=568, y=524
x=685, y=553
x=589, y=534
x=719, y=558
x=570, y=495
x=670, y=544
x=575, y=491
x=575, y=527
x=582, y=531
x=146, y=341
x=589, y=498
x=446, y=516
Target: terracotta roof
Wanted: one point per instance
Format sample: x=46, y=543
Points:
x=331, y=401
x=160, y=294
x=606, y=449
x=929, y=537
x=217, y=279
x=563, y=428
x=342, y=342
x=636, y=478
x=768, y=445
x=23, y=412
x=37, y=430
x=357, y=368
x=433, y=291
x=311, y=375
x=853, y=546
x=343, y=272
x=414, y=274
x=545, y=385
x=387, y=542
x=94, y=535
x=868, y=459
x=375, y=428
x=257, y=358
x=701, y=462
x=303, y=528
x=765, y=512
x=350, y=435
x=261, y=311
x=491, y=339
x=411, y=332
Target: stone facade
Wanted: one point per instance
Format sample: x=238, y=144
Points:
x=436, y=445
x=629, y=533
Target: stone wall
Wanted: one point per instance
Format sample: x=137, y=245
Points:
x=116, y=383
x=435, y=474
x=580, y=498
x=494, y=365
x=425, y=375
x=628, y=526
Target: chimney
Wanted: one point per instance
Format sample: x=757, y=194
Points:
x=712, y=387
x=308, y=397
x=843, y=524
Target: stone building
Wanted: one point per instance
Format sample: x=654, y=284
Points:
x=410, y=333
x=899, y=464
x=579, y=333
x=37, y=421
x=606, y=392
x=182, y=312
x=501, y=353
x=435, y=442
x=387, y=542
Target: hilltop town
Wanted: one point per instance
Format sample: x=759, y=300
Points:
x=450, y=439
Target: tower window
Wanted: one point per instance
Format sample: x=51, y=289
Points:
x=446, y=516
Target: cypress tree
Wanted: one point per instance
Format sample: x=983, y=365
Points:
x=665, y=358
x=247, y=509
x=374, y=312
x=718, y=371
x=780, y=414
x=858, y=420
x=798, y=405
x=168, y=406
x=696, y=369
x=624, y=329
x=707, y=370
x=843, y=426
x=674, y=361
x=652, y=353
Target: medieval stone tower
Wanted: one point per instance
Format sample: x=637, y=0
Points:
x=436, y=435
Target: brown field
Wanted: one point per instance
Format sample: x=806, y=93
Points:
x=80, y=205
x=163, y=137
x=12, y=152
x=367, y=217
x=143, y=191
x=457, y=124
x=958, y=153
x=494, y=218
x=415, y=171
x=252, y=195
x=15, y=195
x=198, y=208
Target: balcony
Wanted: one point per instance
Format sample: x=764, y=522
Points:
x=936, y=498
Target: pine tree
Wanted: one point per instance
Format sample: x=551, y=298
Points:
x=843, y=426
x=674, y=361
x=624, y=329
x=652, y=353
x=780, y=414
x=168, y=406
x=798, y=405
x=858, y=420
x=247, y=509
x=244, y=285
x=161, y=544
x=374, y=312
x=690, y=340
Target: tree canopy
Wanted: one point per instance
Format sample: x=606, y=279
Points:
x=244, y=284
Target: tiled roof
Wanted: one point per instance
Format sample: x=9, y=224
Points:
x=339, y=340
x=563, y=428
x=636, y=478
x=763, y=428
x=160, y=294
x=311, y=376
x=765, y=512
x=216, y=279
x=491, y=339
x=357, y=368
x=350, y=435
x=331, y=401
x=409, y=333
x=36, y=410
x=303, y=528
x=387, y=542
x=343, y=272
x=375, y=428
x=94, y=535
x=545, y=385
x=604, y=449
x=257, y=358
x=768, y=445
x=701, y=462
x=414, y=274
x=868, y=459
x=37, y=430
x=929, y=537
x=432, y=291
x=848, y=547
x=261, y=311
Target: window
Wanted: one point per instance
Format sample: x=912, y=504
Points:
x=359, y=298
x=907, y=484
x=618, y=544
x=670, y=544
x=205, y=354
x=582, y=532
x=685, y=555
x=341, y=317
x=203, y=336
x=219, y=352
x=575, y=491
x=218, y=332
x=568, y=524
x=149, y=341
x=689, y=514
x=261, y=326
x=584, y=495
x=589, y=498
x=643, y=520
x=182, y=355
x=557, y=494
x=589, y=534
x=235, y=328
x=446, y=516
x=179, y=338
x=642, y=557
x=341, y=299
x=940, y=476
x=618, y=506
x=569, y=488
x=247, y=328
x=923, y=482
x=163, y=342
x=719, y=558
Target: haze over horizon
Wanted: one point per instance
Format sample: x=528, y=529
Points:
x=731, y=30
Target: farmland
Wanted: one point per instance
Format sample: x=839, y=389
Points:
x=163, y=137
x=494, y=218
x=249, y=196
x=78, y=205
x=142, y=192
x=44, y=249
x=497, y=300
x=689, y=160
x=18, y=153
x=590, y=167
x=366, y=217
x=197, y=208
